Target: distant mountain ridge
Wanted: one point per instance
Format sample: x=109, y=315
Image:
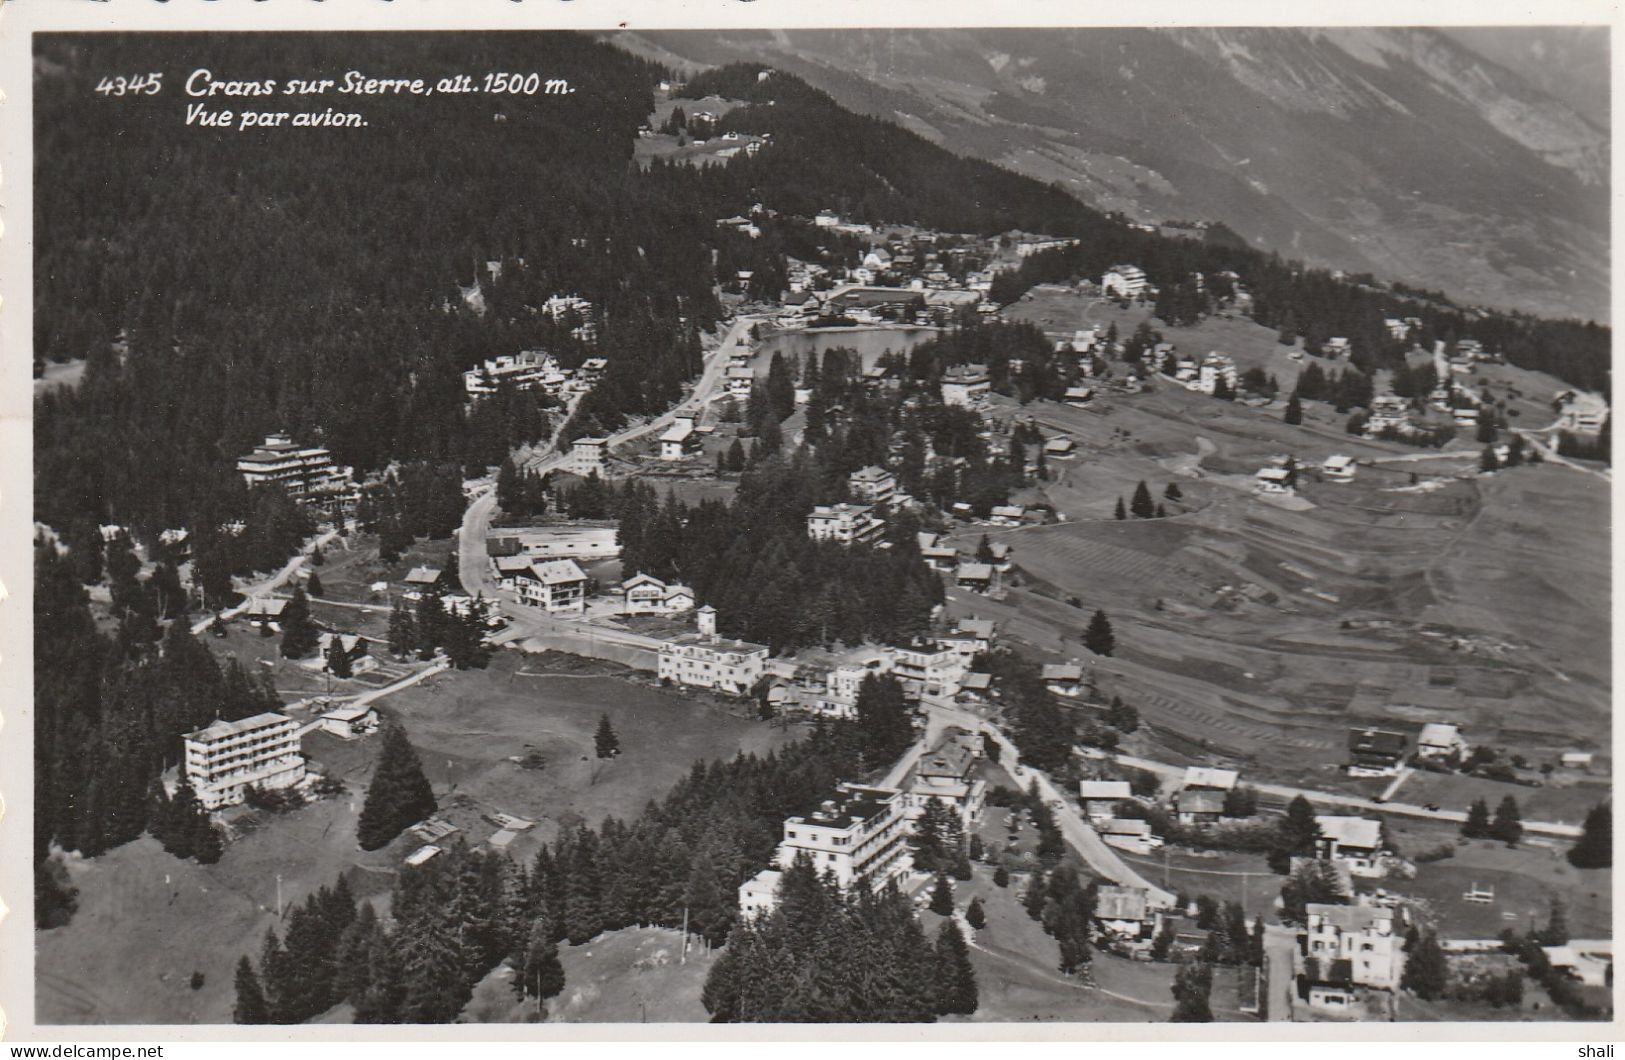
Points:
x=1405, y=152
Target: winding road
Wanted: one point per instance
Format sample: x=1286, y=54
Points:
x=474, y=566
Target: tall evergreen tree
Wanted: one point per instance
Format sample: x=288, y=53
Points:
x=399, y=794
x=1119, y=512
x=1426, y=971
x=1098, y=637
x=883, y=724
x=1507, y=826
x=955, y=977
x=1193, y=983
x=975, y=915
x=1595, y=847
x=942, y=897
x=250, y=1007
x=299, y=633
x=1477, y=824
x=605, y=742
x=1142, y=506
x=1294, y=410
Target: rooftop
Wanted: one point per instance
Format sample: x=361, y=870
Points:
x=1121, y=903
x=219, y=729
x=716, y=644
x=558, y=571
x=1104, y=789
x=1350, y=918
x=1210, y=777
x=1359, y=832
x=1377, y=741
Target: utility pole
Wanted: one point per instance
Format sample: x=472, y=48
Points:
x=684, y=958
x=279, y=896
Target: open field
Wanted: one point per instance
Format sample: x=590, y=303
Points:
x=1225, y=876
x=1251, y=633
x=1525, y=879
x=468, y=724
x=147, y=918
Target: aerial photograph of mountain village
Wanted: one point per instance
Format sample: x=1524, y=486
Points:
x=855, y=526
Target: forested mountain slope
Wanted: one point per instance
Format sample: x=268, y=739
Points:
x=1403, y=152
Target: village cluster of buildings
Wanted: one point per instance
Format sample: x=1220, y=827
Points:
x=859, y=835
x=532, y=370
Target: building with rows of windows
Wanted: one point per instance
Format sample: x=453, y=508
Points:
x=225, y=757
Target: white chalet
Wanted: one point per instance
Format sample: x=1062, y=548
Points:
x=556, y=585
x=1339, y=468
x=647, y=595
x=680, y=439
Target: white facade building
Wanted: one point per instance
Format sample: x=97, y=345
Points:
x=224, y=757
x=555, y=585
x=587, y=456
x=1339, y=468
x=966, y=385
x=1123, y=281
x=873, y=485
x=846, y=523
x=305, y=472
x=704, y=660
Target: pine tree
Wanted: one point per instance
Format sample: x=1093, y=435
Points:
x=942, y=897
x=975, y=916
x=250, y=1007
x=540, y=973
x=1595, y=847
x=1507, y=827
x=1033, y=900
x=1426, y=972
x=1477, y=824
x=313, y=584
x=1193, y=983
x=1294, y=410
x=883, y=724
x=956, y=992
x=1119, y=512
x=399, y=794
x=605, y=742
x=299, y=635
x=1296, y=834
x=1098, y=637
x=1172, y=492
x=1161, y=514
x=1142, y=506
x=338, y=660
x=1001, y=877
x=1556, y=931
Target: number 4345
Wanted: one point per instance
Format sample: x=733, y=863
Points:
x=148, y=84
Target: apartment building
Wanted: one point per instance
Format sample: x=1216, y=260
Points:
x=306, y=472
x=224, y=757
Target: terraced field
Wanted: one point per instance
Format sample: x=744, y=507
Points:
x=1258, y=634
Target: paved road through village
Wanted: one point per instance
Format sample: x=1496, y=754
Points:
x=526, y=623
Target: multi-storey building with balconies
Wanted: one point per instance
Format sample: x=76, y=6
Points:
x=225, y=757
x=307, y=473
